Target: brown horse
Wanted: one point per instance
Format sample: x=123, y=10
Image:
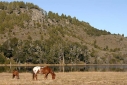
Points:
x=46, y=70
x=15, y=73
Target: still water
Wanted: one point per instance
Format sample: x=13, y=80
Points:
x=73, y=68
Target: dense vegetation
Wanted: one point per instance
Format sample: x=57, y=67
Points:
x=48, y=37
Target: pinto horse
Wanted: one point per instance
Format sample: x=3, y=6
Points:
x=15, y=73
x=43, y=70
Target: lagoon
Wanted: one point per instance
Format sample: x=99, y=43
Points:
x=70, y=68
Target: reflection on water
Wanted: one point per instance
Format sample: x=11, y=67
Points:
x=73, y=68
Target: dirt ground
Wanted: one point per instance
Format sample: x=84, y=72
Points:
x=67, y=78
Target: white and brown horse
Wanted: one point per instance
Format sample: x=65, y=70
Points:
x=43, y=70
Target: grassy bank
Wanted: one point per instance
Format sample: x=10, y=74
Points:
x=69, y=78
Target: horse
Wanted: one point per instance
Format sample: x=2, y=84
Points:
x=15, y=73
x=43, y=70
x=46, y=70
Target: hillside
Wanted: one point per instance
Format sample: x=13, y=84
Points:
x=28, y=34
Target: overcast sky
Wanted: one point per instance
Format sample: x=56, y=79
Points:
x=109, y=15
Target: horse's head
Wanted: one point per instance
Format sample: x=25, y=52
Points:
x=53, y=75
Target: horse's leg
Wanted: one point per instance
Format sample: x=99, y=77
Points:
x=46, y=75
x=13, y=76
x=36, y=76
x=33, y=76
x=18, y=76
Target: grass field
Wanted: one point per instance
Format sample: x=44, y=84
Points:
x=68, y=78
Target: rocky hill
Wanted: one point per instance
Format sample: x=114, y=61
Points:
x=28, y=34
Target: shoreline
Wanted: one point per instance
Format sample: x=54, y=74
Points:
x=57, y=64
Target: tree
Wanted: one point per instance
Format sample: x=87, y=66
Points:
x=1, y=5
x=2, y=59
x=8, y=53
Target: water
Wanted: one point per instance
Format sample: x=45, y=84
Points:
x=73, y=68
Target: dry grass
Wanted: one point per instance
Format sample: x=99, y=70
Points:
x=69, y=78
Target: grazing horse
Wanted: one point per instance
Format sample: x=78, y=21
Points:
x=46, y=70
x=15, y=73
x=36, y=70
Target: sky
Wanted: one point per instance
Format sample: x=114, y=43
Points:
x=109, y=15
